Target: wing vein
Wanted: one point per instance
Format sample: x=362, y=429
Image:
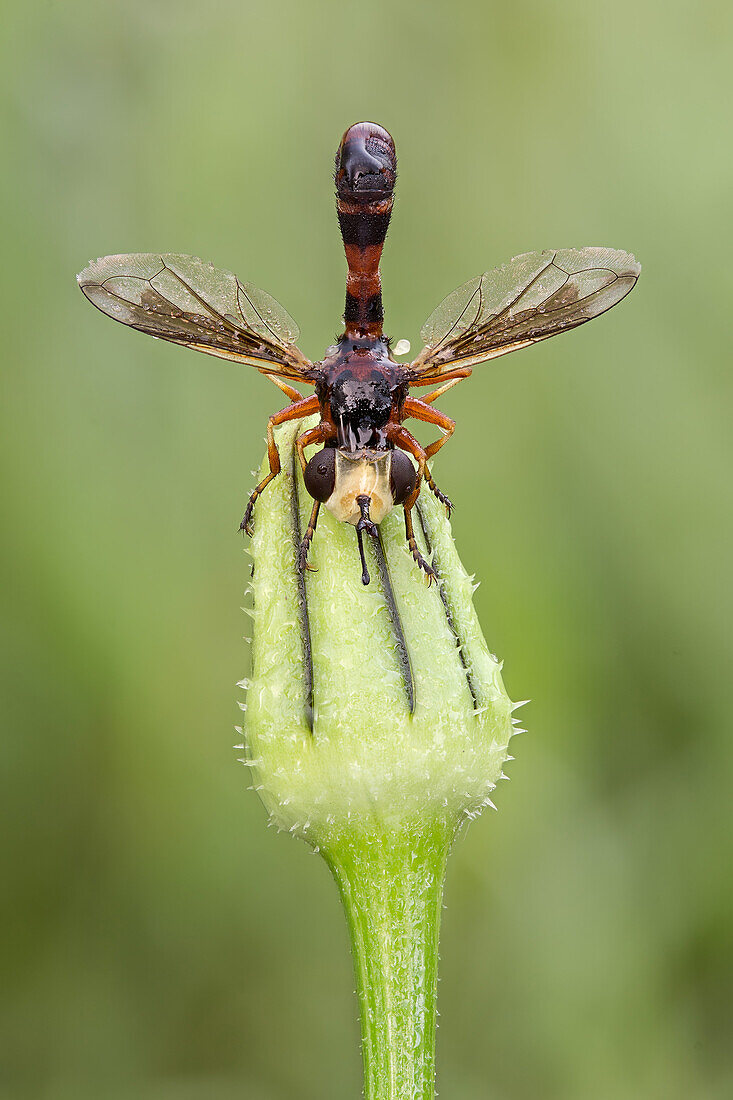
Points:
x=275, y=336
x=520, y=304
x=207, y=314
x=194, y=294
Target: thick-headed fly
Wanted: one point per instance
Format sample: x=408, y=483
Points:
x=362, y=394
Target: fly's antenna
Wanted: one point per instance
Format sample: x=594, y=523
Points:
x=366, y=172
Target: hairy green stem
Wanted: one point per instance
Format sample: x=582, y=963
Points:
x=391, y=886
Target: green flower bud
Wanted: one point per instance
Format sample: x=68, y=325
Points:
x=367, y=703
x=376, y=723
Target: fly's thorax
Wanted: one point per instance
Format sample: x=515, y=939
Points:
x=360, y=404
x=364, y=473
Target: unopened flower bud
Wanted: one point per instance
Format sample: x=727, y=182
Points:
x=378, y=704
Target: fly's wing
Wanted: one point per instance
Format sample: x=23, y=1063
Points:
x=190, y=302
x=534, y=296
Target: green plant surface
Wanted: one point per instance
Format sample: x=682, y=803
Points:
x=376, y=724
x=391, y=887
x=367, y=756
x=156, y=943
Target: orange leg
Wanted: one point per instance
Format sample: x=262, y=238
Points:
x=289, y=391
x=407, y=442
x=420, y=410
x=452, y=378
x=301, y=408
x=445, y=387
x=320, y=434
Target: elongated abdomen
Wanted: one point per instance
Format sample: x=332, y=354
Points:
x=366, y=171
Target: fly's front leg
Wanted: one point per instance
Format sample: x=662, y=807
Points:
x=420, y=410
x=406, y=442
x=308, y=538
x=291, y=412
x=320, y=434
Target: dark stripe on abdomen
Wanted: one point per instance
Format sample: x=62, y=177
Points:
x=368, y=312
x=363, y=229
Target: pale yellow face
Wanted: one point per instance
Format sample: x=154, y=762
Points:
x=363, y=473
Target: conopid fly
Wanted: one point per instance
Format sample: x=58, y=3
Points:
x=361, y=392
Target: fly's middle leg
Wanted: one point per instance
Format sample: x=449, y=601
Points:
x=421, y=410
x=444, y=500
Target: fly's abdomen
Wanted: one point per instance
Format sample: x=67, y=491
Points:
x=366, y=170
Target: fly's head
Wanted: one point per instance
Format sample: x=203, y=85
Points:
x=360, y=487
x=366, y=164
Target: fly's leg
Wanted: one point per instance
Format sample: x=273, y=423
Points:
x=308, y=538
x=320, y=434
x=291, y=412
x=412, y=543
x=440, y=495
x=289, y=391
x=449, y=380
x=421, y=410
x=407, y=442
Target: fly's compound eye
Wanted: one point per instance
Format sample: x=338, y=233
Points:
x=402, y=477
x=320, y=474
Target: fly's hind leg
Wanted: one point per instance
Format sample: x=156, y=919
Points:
x=291, y=412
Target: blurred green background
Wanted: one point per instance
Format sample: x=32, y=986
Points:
x=160, y=942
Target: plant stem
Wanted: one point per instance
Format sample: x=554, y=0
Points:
x=377, y=723
x=391, y=884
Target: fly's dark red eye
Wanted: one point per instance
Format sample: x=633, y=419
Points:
x=402, y=477
x=320, y=474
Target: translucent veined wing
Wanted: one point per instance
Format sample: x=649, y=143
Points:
x=190, y=302
x=534, y=296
